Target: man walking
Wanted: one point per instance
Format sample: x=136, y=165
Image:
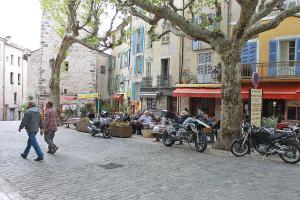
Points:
x=50, y=127
x=32, y=121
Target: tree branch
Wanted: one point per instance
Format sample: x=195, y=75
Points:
x=273, y=23
x=151, y=21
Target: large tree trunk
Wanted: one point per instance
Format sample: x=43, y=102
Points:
x=55, y=72
x=231, y=108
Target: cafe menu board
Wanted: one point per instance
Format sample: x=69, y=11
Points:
x=256, y=106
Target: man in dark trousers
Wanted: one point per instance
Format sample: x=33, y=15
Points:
x=32, y=121
x=50, y=127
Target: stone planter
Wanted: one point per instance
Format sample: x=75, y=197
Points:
x=122, y=132
x=82, y=126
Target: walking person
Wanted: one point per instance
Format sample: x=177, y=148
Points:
x=32, y=121
x=50, y=127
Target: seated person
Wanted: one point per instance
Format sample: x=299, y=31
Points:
x=146, y=119
x=136, y=126
x=182, y=117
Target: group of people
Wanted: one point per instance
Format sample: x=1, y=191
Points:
x=33, y=122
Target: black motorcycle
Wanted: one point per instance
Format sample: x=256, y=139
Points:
x=190, y=131
x=267, y=142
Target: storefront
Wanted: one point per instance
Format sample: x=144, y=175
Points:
x=281, y=100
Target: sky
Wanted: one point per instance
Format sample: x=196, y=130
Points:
x=21, y=19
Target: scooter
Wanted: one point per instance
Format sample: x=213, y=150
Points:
x=101, y=126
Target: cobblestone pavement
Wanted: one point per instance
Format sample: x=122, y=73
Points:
x=146, y=170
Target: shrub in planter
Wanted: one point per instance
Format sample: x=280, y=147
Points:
x=269, y=122
x=121, y=129
x=83, y=124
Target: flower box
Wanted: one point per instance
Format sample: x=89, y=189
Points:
x=122, y=132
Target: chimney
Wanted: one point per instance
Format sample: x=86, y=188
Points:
x=8, y=38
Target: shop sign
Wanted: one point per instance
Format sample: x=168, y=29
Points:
x=88, y=96
x=256, y=107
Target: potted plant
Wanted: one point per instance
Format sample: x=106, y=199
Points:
x=82, y=125
x=121, y=129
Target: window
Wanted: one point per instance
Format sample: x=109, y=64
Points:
x=11, y=59
x=292, y=48
x=11, y=78
x=138, y=41
x=293, y=113
x=19, y=61
x=19, y=79
x=66, y=65
x=149, y=43
x=148, y=69
x=165, y=39
x=102, y=69
x=65, y=91
x=151, y=104
x=289, y=3
x=204, y=63
x=138, y=65
x=15, y=98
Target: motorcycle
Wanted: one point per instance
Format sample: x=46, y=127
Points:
x=267, y=142
x=189, y=131
x=100, y=127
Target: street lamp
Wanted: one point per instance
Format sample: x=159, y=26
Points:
x=216, y=73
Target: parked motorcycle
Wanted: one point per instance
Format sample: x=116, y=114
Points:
x=190, y=131
x=100, y=126
x=267, y=142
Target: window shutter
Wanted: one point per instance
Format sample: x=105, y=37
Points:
x=298, y=56
x=141, y=64
x=252, y=59
x=273, y=47
x=245, y=54
x=142, y=39
x=134, y=65
x=134, y=43
x=133, y=91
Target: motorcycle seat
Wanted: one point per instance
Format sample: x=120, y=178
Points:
x=278, y=136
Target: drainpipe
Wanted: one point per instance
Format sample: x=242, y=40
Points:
x=4, y=60
x=181, y=51
x=228, y=17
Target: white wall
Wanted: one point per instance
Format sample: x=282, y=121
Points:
x=2, y=60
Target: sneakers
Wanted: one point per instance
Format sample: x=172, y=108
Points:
x=23, y=156
x=38, y=159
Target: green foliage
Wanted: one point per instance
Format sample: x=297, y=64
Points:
x=269, y=122
x=86, y=109
x=124, y=108
x=84, y=119
x=24, y=107
x=107, y=107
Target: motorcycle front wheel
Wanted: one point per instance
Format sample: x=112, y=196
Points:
x=201, y=145
x=167, y=140
x=239, y=149
x=106, y=133
x=292, y=153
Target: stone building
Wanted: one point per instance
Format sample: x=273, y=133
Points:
x=13, y=66
x=83, y=71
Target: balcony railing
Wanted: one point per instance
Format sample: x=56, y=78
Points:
x=164, y=81
x=276, y=70
x=147, y=82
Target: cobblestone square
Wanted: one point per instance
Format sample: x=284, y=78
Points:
x=141, y=169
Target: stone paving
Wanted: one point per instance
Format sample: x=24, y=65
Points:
x=141, y=169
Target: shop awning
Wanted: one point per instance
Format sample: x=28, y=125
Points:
x=118, y=97
x=198, y=92
x=149, y=94
x=278, y=91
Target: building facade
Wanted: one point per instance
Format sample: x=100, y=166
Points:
x=13, y=59
x=83, y=72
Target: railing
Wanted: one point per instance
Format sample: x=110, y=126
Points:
x=276, y=70
x=163, y=81
x=147, y=82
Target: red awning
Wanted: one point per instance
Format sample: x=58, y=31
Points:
x=118, y=97
x=276, y=91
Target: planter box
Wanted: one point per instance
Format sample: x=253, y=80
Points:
x=82, y=126
x=122, y=132
x=147, y=133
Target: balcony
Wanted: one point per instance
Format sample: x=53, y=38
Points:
x=163, y=81
x=147, y=82
x=276, y=70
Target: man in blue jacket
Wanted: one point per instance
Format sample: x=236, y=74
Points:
x=32, y=121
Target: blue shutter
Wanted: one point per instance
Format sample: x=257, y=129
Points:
x=134, y=43
x=141, y=64
x=298, y=56
x=252, y=59
x=273, y=48
x=142, y=38
x=245, y=55
x=134, y=65
x=133, y=91
x=139, y=90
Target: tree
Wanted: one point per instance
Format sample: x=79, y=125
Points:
x=228, y=47
x=81, y=22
